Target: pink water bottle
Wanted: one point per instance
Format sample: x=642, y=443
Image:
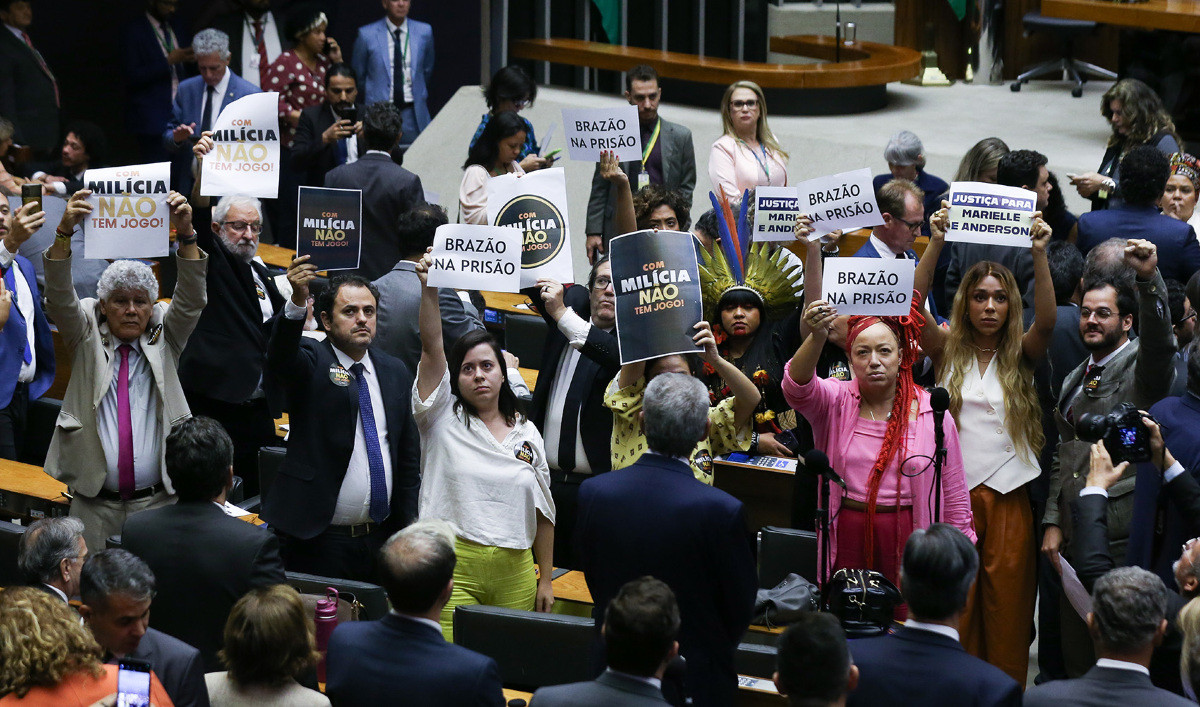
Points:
x=326, y=620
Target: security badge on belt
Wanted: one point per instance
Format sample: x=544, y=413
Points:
x=340, y=376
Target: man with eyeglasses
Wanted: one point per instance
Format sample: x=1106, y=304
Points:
x=51, y=554
x=902, y=205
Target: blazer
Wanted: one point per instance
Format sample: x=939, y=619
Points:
x=679, y=172
x=655, y=518
x=15, y=337
x=1103, y=687
x=599, y=363
x=148, y=75
x=311, y=157
x=187, y=108
x=80, y=689
x=27, y=95
x=76, y=455
x=224, y=359
x=371, y=662
x=916, y=667
x=324, y=417
x=607, y=689
x=372, y=58
x=203, y=561
x=388, y=190
x=1178, y=251
x=397, y=314
x=233, y=24
x=176, y=664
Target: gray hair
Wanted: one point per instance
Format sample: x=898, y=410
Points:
x=903, y=148
x=1128, y=605
x=127, y=275
x=211, y=41
x=416, y=563
x=115, y=571
x=228, y=202
x=6, y=129
x=675, y=407
x=45, y=544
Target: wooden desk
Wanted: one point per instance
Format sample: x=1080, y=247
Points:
x=276, y=256
x=1175, y=15
x=765, y=492
x=27, y=491
x=508, y=302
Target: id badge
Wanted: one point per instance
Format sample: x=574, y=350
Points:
x=643, y=180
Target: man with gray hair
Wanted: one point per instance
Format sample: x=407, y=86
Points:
x=51, y=555
x=655, y=518
x=905, y=155
x=370, y=662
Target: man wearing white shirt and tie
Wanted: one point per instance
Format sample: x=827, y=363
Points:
x=394, y=61
x=256, y=38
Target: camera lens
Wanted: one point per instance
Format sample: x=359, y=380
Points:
x=1091, y=427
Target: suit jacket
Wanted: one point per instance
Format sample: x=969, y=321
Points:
x=1178, y=251
x=187, y=108
x=147, y=76
x=679, y=172
x=371, y=662
x=27, y=95
x=203, y=561
x=324, y=417
x=76, y=455
x=599, y=363
x=916, y=667
x=608, y=689
x=1103, y=687
x=14, y=338
x=233, y=24
x=388, y=190
x=311, y=157
x=868, y=251
x=224, y=359
x=655, y=518
x=177, y=666
x=372, y=58
x=399, y=306
x=1019, y=261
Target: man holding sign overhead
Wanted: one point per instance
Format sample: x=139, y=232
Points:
x=901, y=206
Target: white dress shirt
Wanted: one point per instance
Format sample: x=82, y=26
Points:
x=25, y=304
x=576, y=330
x=404, y=40
x=218, y=95
x=884, y=250
x=1122, y=665
x=933, y=628
x=144, y=413
x=250, y=69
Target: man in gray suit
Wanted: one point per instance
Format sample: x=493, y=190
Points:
x=668, y=159
x=640, y=627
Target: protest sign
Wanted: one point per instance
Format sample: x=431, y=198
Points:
x=536, y=205
x=882, y=287
x=590, y=130
x=130, y=217
x=990, y=214
x=775, y=211
x=469, y=257
x=844, y=201
x=245, y=156
x=329, y=227
x=657, y=283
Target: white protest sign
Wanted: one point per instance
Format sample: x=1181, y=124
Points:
x=845, y=201
x=990, y=214
x=130, y=217
x=245, y=156
x=536, y=205
x=775, y=211
x=470, y=257
x=882, y=287
x=590, y=130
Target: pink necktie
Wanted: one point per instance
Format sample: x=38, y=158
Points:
x=45, y=67
x=124, y=426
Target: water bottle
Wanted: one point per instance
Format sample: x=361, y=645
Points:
x=326, y=620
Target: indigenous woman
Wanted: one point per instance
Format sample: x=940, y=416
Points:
x=1179, y=197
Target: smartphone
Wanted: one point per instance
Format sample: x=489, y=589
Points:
x=31, y=192
x=350, y=112
x=788, y=439
x=552, y=154
x=133, y=683
x=326, y=47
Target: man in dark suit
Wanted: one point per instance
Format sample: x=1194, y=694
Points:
x=326, y=135
x=204, y=559
x=388, y=189
x=814, y=667
x=51, y=555
x=655, y=518
x=28, y=90
x=579, y=359
x=670, y=159
x=153, y=58
x=352, y=469
x=394, y=60
x=404, y=653
x=924, y=663
x=1144, y=174
x=256, y=38
x=902, y=208
x=116, y=589
x=222, y=367
x=83, y=147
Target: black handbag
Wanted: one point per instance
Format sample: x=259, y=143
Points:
x=786, y=601
x=863, y=600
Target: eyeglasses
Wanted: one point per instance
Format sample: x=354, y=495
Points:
x=748, y=103
x=1101, y=314
x=1190, y=315
x=602, y=283
x=914, y=227
x=240, y=226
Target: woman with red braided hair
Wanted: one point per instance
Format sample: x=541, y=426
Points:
x=877, y=431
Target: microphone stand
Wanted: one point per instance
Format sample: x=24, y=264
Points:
x=939, y=461
x=837, y=32
x=822, y=523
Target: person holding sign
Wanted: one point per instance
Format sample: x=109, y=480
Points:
x=747, y=154
x=483, y=469
x=493, y=154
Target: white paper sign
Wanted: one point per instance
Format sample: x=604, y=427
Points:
x=877, y=286
x=470, y=257
x=845, y=201
x=775, y=211
x=130, y=217
x=990, y=214
x=1080, y=600
x=245, y=156
x=590, y=130
x=535, y=205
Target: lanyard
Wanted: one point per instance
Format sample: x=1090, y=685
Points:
x=650, y=147
x=764, y=163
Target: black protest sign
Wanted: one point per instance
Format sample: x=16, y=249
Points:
x=657, y=284
x=328, y=227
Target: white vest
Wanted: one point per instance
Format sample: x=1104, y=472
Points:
x=991, y=457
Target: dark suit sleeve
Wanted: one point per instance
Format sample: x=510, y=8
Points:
x=489, y=692
x=456, y=323
x=140, y=70
x=268, y=566
x=736, y=575
x=8, y=90
x=176, y=120
x=408, y=475
x=1012, y=696
x=191, y=691
x=1184, y=492
x=1090, y=541
x=598, y=202
x=307, y=143
x=285, y=359
x=1154, y=371
x=1191, y=252
x=414, y=193
x=687, y=181
x=601, y=346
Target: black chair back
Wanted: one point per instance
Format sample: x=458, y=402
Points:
x=40, y=420
x=10, y=541
x=755, y=660
x=782, y=551
x=531, y=649
x=372, y=597
x=524, y=337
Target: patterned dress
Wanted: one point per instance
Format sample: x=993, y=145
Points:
x=298, y=87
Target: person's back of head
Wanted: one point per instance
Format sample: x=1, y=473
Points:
x=675, y=414
x=1106, y=261
x=42, y=642
x=416, y=228
x=905, y=148
x=937, y=571
x=382, y=126
x=640, y=627
x=1129, y=609
x=416, y=566
x=269, y=637
x=1020, y=168
x=813, y=667
x=115, y=571
x=199, y=459
x=892, y=195
x=46, y=545
x=1066, y=270
x=1144, y=172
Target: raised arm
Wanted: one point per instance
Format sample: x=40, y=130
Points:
x=745, y=393
x=610, y=170
x=927, y=265
x=191, y=293
x=1153, y=372
x=819, y=316
x=433, y=355
x=815, y=253
x=1045, y=308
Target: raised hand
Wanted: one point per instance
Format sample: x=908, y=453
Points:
x=299, y=274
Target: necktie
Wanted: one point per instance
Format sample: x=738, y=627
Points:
x=10, y=281
x=263, y=63
x=210, y=95
x=124, y=426
x=398, y=70
x=343, y=152
x=45, y=67
x=379, y=500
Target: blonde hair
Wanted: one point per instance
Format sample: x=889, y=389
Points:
x=762, y=131
x=269, y=637
x=42, y=642
x=1189, y=625
x=1023, y=413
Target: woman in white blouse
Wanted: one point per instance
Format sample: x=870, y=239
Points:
x=747, y=155
x=493, y=154
x=483, y=469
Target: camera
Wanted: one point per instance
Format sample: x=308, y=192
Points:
x=1124, y=435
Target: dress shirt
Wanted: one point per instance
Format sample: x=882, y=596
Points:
x=419, y=619
x=651, y=681
x=351, y=142
x=576, y=330
x=1122, y=665
x=1169, y=475
x=20, y=34
x=1093, y=362
x=25, y=304
x=250, y=58
x=218, y=96
x=946, y=631
x=143, y=409
x=884, y=249
x=57, y=591
x=403, y=27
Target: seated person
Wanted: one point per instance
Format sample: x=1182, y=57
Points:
x=814, y=667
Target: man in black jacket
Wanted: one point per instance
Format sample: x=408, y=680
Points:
x=326, y=135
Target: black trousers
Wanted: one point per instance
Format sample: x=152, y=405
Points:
x=249, y=425
x=334, y=554
x=12, y=423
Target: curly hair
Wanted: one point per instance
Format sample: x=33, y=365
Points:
x=42, y=642
x=652, y=196
x=1141, y=110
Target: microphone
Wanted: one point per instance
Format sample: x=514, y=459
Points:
x=939, y=400
x=816, y=462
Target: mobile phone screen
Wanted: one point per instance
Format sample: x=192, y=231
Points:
x=133, y=684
